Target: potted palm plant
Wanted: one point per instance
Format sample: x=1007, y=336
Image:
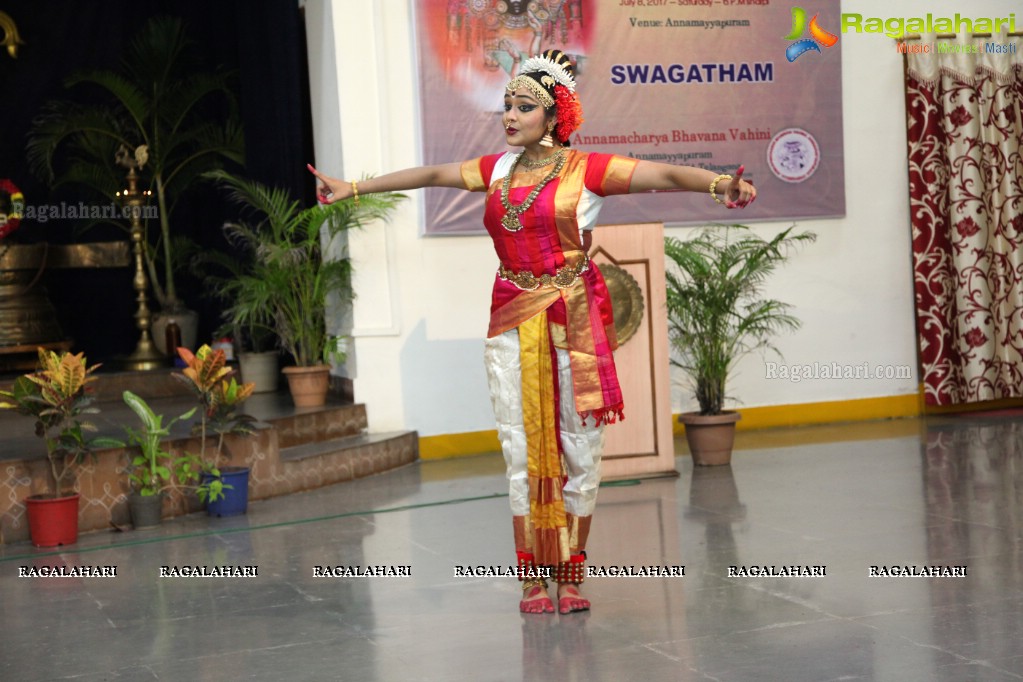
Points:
x=285, y=277
x=153, y=468
x=716, y=315
x=225, y=490
x=156, y=107
x=58, y=396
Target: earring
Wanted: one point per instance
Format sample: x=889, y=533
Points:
x=547, y=140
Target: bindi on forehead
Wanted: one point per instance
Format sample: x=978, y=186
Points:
x=521, y=94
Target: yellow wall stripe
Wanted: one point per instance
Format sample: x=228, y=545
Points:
x=832, y=412
x=803, y=414
x=458, y=444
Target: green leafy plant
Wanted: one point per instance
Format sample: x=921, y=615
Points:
x=220, y=398
x=716, y=310
x=154, y=468
x=282, y=279
x=58, y=396
x=157, y=112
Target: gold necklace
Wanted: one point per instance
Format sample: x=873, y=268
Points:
x=511, y=221
x=547, y=160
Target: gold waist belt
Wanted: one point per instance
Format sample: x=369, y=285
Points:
x=564, y=278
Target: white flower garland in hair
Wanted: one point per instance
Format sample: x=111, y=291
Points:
x=557, y=71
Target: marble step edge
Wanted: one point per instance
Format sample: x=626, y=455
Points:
x=296, y=453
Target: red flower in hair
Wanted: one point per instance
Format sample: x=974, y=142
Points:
x=570, y=112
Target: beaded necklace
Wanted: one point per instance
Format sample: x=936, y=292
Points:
x=533, y=165
x=511, y=221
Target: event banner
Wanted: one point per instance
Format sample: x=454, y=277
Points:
x=709, y=83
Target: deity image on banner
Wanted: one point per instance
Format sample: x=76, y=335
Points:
x=479, y=44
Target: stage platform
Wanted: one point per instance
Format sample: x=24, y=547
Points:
x=293, y=449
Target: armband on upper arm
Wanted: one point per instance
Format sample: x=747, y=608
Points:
x=618, y=175
x=472, y=176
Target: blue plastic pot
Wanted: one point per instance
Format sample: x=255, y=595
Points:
x=236, y=497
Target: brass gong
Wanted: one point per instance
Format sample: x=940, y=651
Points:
x=626, y=300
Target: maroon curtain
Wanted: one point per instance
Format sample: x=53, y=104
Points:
x=966, y=210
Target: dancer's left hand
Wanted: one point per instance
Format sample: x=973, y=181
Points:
x=740, y=193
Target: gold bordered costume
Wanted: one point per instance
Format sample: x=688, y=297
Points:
x=549, y=349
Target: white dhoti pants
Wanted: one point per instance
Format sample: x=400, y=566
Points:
x=582, y=444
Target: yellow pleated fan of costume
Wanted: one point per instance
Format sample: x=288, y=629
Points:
x=546, y=477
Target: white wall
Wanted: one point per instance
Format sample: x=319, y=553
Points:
x=422, y=304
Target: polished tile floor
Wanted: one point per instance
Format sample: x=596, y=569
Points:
x=942, y=493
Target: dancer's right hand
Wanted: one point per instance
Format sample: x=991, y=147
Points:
x=328, y=189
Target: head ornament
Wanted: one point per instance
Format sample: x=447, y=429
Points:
x=550, y=78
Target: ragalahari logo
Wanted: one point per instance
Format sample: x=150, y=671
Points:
x=818, y=36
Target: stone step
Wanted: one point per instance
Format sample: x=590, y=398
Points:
x=292, y=450
x=297, y=453
x=310, y=426
x=157, y=383
x=110, y=386
x=312, y=465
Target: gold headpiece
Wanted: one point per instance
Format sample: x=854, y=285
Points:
x=542, y=73
x=539, y=92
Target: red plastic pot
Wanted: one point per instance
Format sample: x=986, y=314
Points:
x=53, y=521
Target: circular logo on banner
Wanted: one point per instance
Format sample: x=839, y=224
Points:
x=12, y=207
x=793, y=155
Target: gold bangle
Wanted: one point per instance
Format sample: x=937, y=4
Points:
x=714, y=186
x=355, y=193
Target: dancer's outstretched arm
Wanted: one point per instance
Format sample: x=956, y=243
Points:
x=734, y=192
x=329, y=190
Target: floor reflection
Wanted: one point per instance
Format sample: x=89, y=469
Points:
x=714, y=502
x=973, y=486
x=948, y=491
x=557, y=648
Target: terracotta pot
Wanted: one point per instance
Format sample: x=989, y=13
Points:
x=53, y=521
x=308, y=384
x=710, y=437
